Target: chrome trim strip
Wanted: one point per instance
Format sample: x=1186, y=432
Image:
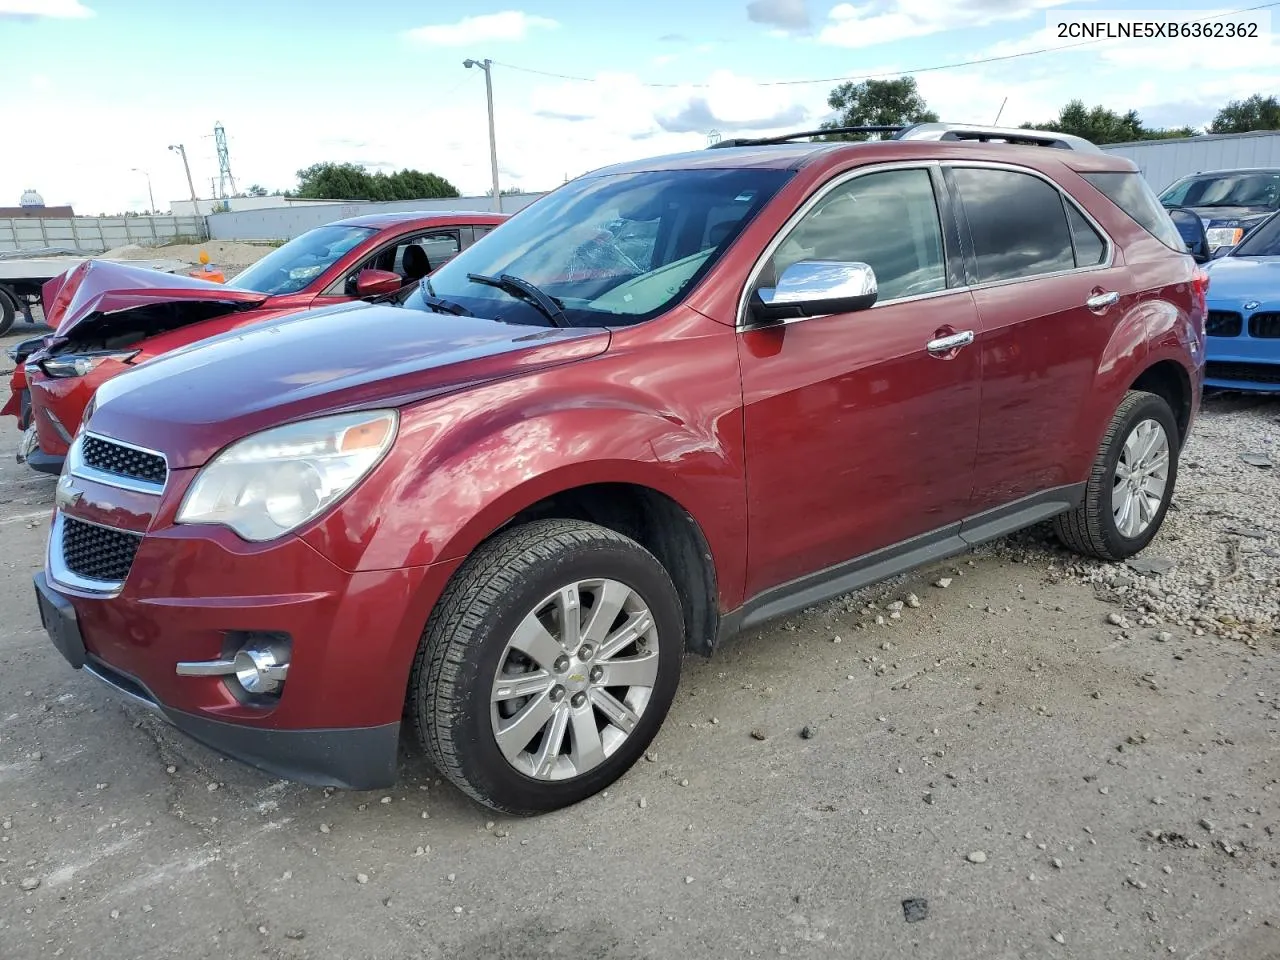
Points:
x=205, y=668
x=839, y=181
x=76, y=466
x=92, y=669
x=62, y=575
x=57, y=425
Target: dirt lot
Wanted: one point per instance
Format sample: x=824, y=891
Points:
x=1052, y=770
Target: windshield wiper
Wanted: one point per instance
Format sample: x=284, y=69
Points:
x=524, y=290
x=440, y=304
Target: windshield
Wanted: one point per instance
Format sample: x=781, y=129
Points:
x=1262, y=241
x=1225, y=190
x=301, y=260
x=609, y=250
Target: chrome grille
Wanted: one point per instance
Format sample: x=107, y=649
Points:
x=1223, y=323
x=97, y=553
x=122, y=461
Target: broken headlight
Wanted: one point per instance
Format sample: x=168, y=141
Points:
x=80, y=364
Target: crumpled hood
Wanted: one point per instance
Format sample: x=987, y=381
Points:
x=191, y=403
x=1234, y=281
x=91, y=294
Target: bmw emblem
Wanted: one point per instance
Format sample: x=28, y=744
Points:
x=1252, y=304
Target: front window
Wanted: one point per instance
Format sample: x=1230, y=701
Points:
x=301, y=260
x=1225, y=190
x=1262, y=241
x=608, y=250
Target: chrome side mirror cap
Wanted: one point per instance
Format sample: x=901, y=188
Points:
x=810, y=288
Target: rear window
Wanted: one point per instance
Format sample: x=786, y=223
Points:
x=1130, y=193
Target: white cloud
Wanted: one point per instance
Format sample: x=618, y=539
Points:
x=52, y=9
x=489, y=27
x=885, y=21
x=789, y=15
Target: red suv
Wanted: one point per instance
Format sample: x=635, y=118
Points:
x=109, y=316
x=670, y=400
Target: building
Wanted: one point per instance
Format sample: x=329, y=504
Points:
x=183, y=208
x=1164, y=161
x=31, y=206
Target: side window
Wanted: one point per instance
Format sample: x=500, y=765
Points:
x=1090, y=247
x=1017, y=223
x=439, y=248
x=887, y=220
x=1133, y=195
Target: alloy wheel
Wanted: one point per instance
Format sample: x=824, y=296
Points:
x=1141, y=477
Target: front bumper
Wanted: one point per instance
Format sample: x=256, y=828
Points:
x=358, y=758
x=1243, y=363
x=192, y=591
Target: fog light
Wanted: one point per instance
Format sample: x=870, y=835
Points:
x=259, y=666
x=259, y=670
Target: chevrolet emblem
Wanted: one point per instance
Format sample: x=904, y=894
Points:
x=576, y=678
x=67, y=495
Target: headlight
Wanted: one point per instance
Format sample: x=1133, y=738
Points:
x=72, y=365
x=272, y=482
x=1224, y=236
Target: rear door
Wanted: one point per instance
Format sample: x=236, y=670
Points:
x=1048, y=292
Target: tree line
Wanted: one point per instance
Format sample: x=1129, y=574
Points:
x=898, y=103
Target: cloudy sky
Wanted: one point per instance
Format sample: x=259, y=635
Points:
x=94, y=88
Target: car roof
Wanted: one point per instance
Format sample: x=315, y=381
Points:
x=794, y=156
x=1229, y=171
x=423, y=218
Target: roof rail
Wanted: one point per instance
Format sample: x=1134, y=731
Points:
x=1011, y=135
x=936, y=131
x=788, y=137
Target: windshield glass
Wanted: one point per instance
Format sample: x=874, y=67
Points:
x=609, y=250
x=1225, y=190
x=1261, y=241
x=301, y=260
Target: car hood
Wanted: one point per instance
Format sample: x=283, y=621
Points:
x=191, y=403
x=1234, y=281
x=1230, y=216
x=98, y=293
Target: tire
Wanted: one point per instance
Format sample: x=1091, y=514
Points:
x=1092, y=529
x=8, y=311
x=472, y=634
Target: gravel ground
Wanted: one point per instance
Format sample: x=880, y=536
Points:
x=974, y=761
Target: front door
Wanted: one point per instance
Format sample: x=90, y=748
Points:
x=857, y=436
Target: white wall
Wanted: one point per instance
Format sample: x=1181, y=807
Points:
x=285, y=223
x=94, y=234
x=1164, y=161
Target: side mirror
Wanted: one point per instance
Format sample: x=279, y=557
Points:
x=812, y=288
x=376, y=283
x=1191, y=229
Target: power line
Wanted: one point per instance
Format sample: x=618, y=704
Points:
x=876, y=76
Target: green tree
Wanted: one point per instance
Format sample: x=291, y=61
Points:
x=350, y=181
x=1241, y=116
x=876, y=103
x=1100, y=125
x=257, y=190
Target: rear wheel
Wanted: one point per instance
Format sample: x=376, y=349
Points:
x=1131, y=483
x=548, y=665
x=8, y=310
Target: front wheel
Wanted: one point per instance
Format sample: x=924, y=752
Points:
x=1131, y=483
x=548, y=665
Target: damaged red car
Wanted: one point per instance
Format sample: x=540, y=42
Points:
x=109, y=316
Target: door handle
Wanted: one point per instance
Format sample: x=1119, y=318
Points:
x=953, y=342
x=1100, y=301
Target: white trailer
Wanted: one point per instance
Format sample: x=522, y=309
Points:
x=22, y=277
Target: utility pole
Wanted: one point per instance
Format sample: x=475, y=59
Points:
x=182, y=152
x=150, y=194
x=487, y=67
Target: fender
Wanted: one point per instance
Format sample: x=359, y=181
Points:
x=464, y=465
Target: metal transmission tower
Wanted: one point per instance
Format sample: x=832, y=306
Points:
x=224, y=163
